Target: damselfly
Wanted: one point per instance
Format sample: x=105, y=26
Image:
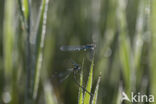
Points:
x=75, y=69
x=78, y=48
x=90, y=48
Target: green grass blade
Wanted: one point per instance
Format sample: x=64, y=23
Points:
x=50, y=98
x=124, y=43
x=80, y=99
x=89, y=85
x=119, y=95
x=139, y=45
x=42, y=21
x=8, y=47
x=125, y=60
x=8, y=37
x=25, y=8
x=94, y=100
x=21, y=11
x=28, y=56
x=153, y=50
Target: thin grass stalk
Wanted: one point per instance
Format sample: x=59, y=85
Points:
x=22, y=12
x=80, y=95
x=42, y=21
x=153, y=50
x=95, y=96
x=119, y=95
x=25, y=13
x=8, y=37
x=87, y=96
x=29, y=69
x=50, y=98
x=124, y=51
x=138, y=45
x=8, y=45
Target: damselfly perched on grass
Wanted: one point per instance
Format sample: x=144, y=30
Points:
x=74, y=70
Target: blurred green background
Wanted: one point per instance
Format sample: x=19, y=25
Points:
x=124, y=32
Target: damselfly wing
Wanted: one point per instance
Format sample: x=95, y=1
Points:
x=61, y=76
x=76, y=68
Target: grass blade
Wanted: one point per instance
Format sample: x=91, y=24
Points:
x=94, y=100
x=80, y=100
x=25, y=8
x=8, y=47
x=89, y=85
x=50, y=98
x=153, y=50
x=42, y=21
x=8, y=37
x=119, y=95
x=28, y=55
x=124, y=42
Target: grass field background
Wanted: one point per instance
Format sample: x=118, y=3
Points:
x=32, y=32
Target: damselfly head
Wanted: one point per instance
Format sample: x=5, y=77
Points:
x=76, y=67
